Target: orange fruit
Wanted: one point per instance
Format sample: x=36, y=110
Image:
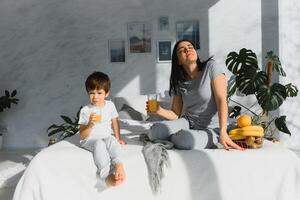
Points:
x=244, y=120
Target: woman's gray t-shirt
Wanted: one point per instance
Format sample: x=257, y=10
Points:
x=199, y=105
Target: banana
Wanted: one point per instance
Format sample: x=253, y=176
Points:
x=253, y=133
x=237, y=137
x=247, y=131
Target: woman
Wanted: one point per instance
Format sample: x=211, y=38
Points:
x=198, y=115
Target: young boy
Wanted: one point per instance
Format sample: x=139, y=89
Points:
x=96, y=128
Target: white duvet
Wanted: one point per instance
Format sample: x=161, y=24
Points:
x=67, y=172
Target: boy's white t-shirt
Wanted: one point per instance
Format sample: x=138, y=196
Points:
x=103, y=128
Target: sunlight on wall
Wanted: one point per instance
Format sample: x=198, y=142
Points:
x=132, y=86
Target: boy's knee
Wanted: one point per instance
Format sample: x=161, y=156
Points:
x=158, y=131
x=99, y=144
x=183, y=140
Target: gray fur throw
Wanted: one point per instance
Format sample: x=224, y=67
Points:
x=156, y=157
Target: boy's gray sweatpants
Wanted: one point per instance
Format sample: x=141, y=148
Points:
x=106, y=151
x=179, y=132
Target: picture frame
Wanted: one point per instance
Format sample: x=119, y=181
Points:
x=188, y=30
x=164, y=48
x=116, y=50
x=163, y=23
x=139, y=37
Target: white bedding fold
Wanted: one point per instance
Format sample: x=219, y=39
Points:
x=65, y=171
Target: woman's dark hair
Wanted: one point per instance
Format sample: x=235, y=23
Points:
x=97, y=80
x=178, y=74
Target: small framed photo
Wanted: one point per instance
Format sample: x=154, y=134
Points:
x=139, y=36
x=163, y=23
x=188, y=30
x=116, y=50
x=164, y=53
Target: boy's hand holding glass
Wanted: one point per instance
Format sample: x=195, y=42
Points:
x=96, y=115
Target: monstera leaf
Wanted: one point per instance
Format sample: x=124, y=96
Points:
x=248, y=80
x=281, y=125
x=245, y=58
x=291, y=90
x=231, y=87
x=270, y=98
x=276, y=62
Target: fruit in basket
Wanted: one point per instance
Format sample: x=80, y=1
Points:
x=259, y=140
x=244, y=120
x=248, y=131
x=248, y=136
x=250, y=141
x=237, y=137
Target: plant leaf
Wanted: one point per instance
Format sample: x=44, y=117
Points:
x=248, y=80
x=231, y=88
x=7, y=93
x=55, y=131
x=270, y=98
x=260, y=119
x=245, y=58
x=291, y=90
x=281, y=125
x=13, y=93
x=276, y=62
x=66, y=119
x=236, y=111
x=52, y=126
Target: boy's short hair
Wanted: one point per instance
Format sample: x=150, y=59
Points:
x=98, y=81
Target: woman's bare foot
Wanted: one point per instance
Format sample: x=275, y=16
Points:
x=117, y=177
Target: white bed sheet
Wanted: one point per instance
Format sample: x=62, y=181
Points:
x=65, y=171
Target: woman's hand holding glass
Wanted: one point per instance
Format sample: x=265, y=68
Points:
x=152, y=107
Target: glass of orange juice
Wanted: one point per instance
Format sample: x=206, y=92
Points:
x=98, y=114
x=152, y=102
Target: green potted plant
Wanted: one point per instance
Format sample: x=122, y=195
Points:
x=68, y=128
x=249, y=79
x=5, y=102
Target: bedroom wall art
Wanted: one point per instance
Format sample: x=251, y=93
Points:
x=139, y=36
x=116, y=50
x=163, y=23
x=188, y=30
x=164, y=50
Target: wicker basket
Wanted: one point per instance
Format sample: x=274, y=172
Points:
x=258, y=142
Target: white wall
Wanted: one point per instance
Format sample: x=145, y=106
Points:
x=49, y=47
x=289, y=24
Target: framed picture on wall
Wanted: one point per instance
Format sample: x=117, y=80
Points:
x=163, y=23
x=116, y=50
x=139, y=36
x=188, y=30
x=164, y=50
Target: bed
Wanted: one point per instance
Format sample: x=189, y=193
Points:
x=66, y=171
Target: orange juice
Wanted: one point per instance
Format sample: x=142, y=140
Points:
x=152, y=104
x=98, y=118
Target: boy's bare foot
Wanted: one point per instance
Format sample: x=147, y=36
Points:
x=117, y=177
x=111, y=180
x=119, y=172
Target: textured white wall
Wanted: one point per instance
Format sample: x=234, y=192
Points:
x=289, y=24
x=49, y=47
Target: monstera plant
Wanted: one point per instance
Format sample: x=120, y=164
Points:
x=249, y=79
